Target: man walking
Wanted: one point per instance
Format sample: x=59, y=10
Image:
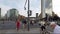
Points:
x=24, y=24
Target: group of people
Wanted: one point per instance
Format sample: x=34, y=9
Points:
x=53, y=25
x=18, y=24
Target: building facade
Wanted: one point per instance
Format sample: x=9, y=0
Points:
x=43, y=8
x=12, y=13
x=48, y=7
x=0, y=12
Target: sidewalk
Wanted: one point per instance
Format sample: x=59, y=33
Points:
x=32, y=31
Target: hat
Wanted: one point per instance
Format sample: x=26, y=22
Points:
x=52, y=23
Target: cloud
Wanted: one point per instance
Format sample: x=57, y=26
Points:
x=56, y=7
x=23, y=12
x=34, y=6
x=35, y=10
x=35, y=3
x=4, y=9
x=19, y=5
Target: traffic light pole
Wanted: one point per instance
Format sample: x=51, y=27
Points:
x=27, y=12
x=28, y=15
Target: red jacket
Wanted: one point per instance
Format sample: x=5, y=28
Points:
x=18, y=24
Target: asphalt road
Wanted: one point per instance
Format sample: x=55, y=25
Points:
x=12, y=25
x=9, y=27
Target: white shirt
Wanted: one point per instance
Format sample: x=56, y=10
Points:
x=57, y=30
x=42, y=22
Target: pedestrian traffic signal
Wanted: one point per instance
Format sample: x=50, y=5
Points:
x=29, y=13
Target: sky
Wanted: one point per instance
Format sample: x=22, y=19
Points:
x=35, y=6
x=5, y=5
x=56, y=7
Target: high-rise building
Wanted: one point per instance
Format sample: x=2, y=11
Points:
x=43, y=8
x=8, y=13
x=0, y=12
x=12, y=13
x=48, y=7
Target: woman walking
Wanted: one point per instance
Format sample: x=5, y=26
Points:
x=18, y=24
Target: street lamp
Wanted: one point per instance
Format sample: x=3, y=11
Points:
x=25, y=5
x=27, y=11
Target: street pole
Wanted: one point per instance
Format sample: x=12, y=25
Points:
x=28, y=15
x=28, y=12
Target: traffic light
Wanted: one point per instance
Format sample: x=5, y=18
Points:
x=29, y=13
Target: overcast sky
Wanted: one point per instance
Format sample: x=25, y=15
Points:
x=35, y=6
